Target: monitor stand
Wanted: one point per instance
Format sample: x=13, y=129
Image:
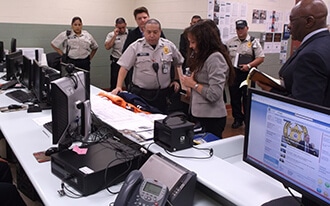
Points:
x=44, y=105
x=283, y=201
x=290, y=201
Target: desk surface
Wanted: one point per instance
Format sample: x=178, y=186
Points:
x=235, y=183
x=25, y=136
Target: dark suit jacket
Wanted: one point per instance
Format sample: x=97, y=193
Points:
x=306, y=73
x=183, y=45
x=134, y=35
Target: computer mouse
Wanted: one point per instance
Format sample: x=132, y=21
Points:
x=14, y=106
x=51, y=151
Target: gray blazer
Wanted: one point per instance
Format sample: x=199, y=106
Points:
x=212, y=77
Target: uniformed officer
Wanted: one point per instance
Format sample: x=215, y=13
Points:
x=76, y=46
x=116, y=40
x=152, y=57
x=245, y=52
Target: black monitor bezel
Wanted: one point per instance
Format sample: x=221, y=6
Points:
x=38, y=87
x=12, y=69
x=306, y=195
x=26, y=77
x=60, y=106
x=13, y=45
x=2, y=52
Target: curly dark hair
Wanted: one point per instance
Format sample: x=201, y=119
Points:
x=208, y=41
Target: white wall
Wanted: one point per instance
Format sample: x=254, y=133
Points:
x=95, y=12
x=174, y=14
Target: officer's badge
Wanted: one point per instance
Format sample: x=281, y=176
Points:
x=249, y=44
x=166, y=50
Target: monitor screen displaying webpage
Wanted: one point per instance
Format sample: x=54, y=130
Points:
x=290, y=141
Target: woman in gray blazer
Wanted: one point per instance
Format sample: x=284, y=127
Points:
x=211, y=68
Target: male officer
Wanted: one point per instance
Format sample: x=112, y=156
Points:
x=116, y=40
x=152, y=57
x=141, y=16
x=245, y=53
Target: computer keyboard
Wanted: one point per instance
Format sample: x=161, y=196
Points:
x=20, y=96
x=49, y=126
x=9, y=84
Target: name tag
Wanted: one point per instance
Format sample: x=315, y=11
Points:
x=142, y=54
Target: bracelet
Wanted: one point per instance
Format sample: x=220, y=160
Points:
x=196, y=85
x=249, y=66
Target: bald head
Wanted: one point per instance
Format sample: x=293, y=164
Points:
x=307, y=16
x=314, y=8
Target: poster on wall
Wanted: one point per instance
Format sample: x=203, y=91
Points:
x=224, y=14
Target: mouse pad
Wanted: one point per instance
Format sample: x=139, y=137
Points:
x=41, y=157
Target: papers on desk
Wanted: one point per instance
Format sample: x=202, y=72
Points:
x=130, y=123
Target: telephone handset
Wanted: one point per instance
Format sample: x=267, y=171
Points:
x=139, y=191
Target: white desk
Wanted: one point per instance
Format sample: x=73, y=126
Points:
x=226, y=173
x=25, y=137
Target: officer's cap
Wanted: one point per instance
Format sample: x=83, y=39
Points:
x=240, y=24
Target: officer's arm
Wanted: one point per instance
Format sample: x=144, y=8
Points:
x=120, y=80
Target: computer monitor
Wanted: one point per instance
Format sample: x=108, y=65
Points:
x=2, y=52
x=71, y=119
x=38, y=87
x=69, y=68
x=13, y=47
x=42, y=77
x=277, y=126
x=14, y=62
x=26, y=76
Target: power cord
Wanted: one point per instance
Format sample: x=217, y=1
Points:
x=192, y=157
x=65, y=190
x=288, y=189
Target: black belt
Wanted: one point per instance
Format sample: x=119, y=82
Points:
x=114, y=59
x=149, y=94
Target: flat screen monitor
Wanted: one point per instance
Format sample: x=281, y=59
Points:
x=26, y=76
x=42, y=77
x=69, y=68
x=290, y=141
x=13, y=47
x=14, y=62
x=70, y=109
x=38, y=86
x=2, y=52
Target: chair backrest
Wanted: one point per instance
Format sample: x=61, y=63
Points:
x=54, y=60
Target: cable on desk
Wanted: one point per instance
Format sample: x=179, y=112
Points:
x=64, y=189
x=288, y=189
x=192, y=157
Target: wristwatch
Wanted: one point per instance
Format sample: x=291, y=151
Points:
x=249, y=66
x=196, y=85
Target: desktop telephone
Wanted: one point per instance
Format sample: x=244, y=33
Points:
x=139, y=191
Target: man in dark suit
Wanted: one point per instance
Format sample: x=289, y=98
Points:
x=141, y=16
x=306, y=74
x=184, y=43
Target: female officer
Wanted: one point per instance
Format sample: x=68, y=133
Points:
x=76, y=46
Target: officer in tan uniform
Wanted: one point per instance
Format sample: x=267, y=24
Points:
x=116, y=40
x=77, y=46
x=152, y=57
x=245, y=52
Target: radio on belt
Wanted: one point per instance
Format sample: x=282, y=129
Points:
x=174, y=132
